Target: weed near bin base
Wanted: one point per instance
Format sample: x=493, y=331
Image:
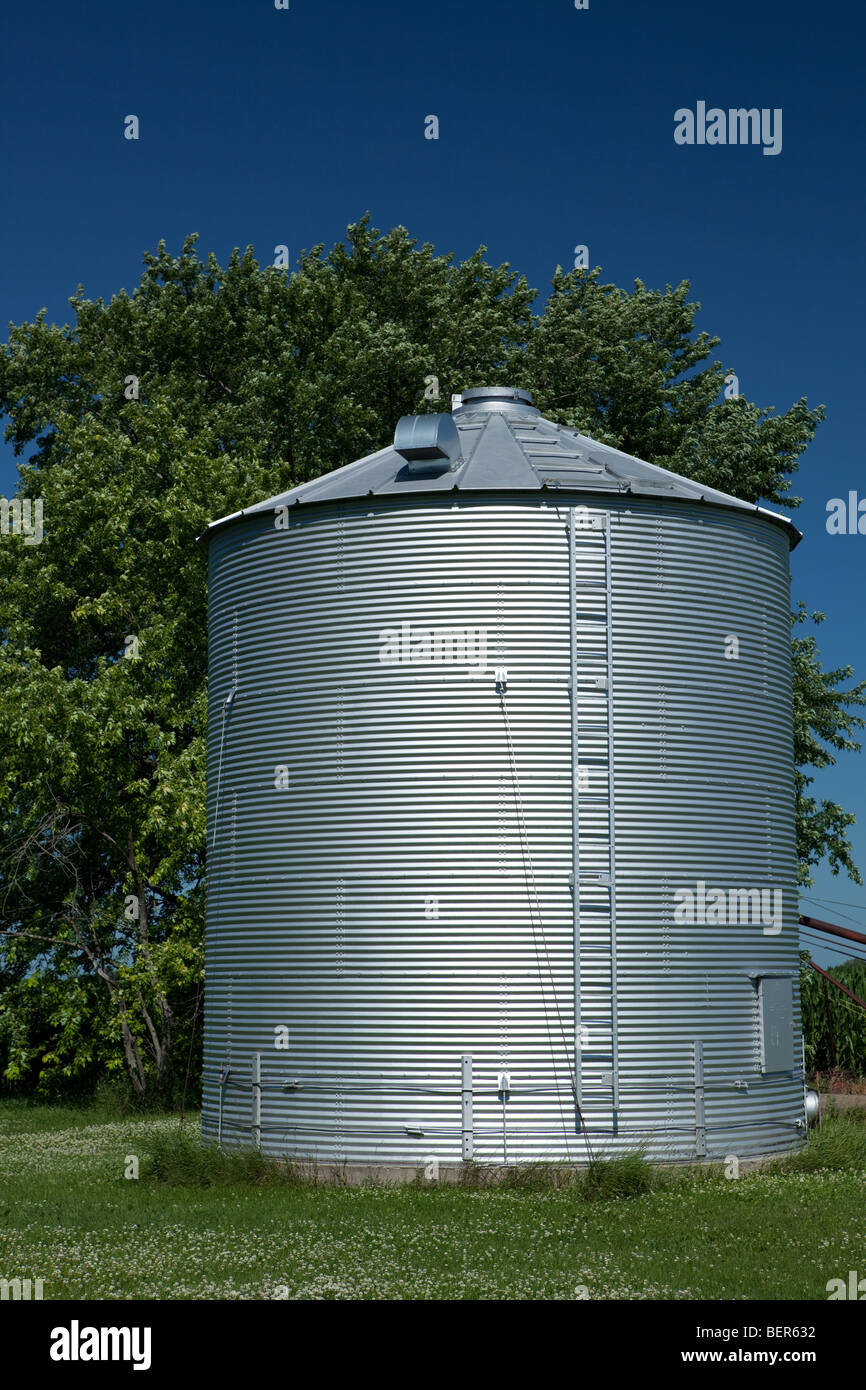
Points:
x=840, y=1144
x=628, y=1175
x=181, y=1159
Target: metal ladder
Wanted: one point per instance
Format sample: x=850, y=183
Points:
x=593, y=878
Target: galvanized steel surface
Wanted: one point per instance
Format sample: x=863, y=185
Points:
x=389, y=883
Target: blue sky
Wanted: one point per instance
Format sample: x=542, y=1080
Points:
x=263, y=126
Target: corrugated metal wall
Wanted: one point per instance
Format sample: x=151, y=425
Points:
x=405, y=900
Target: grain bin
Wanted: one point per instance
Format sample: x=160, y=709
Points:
x=501, y=850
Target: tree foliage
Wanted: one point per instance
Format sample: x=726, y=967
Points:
x=824, y=720
x=247, y=381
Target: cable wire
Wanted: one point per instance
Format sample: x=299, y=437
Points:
x=836, y=902
x=849, y=952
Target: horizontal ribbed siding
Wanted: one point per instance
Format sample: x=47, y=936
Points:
x=383, y=908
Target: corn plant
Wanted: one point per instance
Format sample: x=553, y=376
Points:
x=834, y=1027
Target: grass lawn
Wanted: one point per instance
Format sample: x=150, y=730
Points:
x=193, y=1228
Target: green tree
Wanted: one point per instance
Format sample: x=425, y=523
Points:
x=628, y=369
x=823, y=720
x=205, y=389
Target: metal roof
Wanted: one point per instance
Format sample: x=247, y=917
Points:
x=506, y=445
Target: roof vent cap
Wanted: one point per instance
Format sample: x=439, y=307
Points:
x=430, y=444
